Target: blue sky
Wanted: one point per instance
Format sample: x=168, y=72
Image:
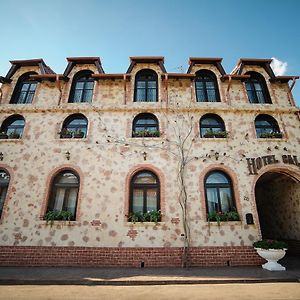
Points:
x=115, y=30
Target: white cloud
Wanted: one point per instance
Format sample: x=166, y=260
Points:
x=279, y=67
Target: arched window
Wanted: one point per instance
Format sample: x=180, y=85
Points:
x=218, y=193
x=64, y=193
x=24, y=90
x=146, y=89
x=74, y=126
x=267, y=127
x=212, y=126
x=145, y=125
x=206, y=87
x=4, y=182
x=256, y=87
x=82, y=87
x=144, y=192
x=12, y=127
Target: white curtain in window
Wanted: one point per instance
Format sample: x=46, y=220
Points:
x=71, y=201
x=59, y=199
x=151, y=199
x=212, y=199
x=137, y=201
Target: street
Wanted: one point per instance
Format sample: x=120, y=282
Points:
x=256, y=291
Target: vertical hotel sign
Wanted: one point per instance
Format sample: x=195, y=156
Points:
x=255, y=164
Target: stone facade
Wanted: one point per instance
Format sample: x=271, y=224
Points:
x=109, y=156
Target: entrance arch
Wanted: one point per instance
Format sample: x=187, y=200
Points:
x=277, y=194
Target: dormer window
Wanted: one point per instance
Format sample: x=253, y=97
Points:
x=146, y=88
x=24, y=90
x=257, y=90
x=206, y=87
x=82, y=87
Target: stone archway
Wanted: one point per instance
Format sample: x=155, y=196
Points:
x=277, y=196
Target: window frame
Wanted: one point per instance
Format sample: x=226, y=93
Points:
x=200, y=77
x=144, y=187
x=257, y=78
x=66, y=126
x=7, y=125
x=218, y=186
x=4, y=186
x=67, y=186
x=84, y=76
x=142, y=73
x=210, y=127
x=24, y=79
x=273, y=125
x=144, y=116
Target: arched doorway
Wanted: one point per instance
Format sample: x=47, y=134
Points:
x=277, y=196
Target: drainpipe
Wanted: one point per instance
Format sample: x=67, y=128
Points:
x=228, y=88
x=57, y=83
x=125, y=90
x=290, y=92
x=167, y=93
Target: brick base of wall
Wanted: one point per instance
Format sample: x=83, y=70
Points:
x=126, y=257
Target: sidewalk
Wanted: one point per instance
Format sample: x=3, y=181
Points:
x=147, y=276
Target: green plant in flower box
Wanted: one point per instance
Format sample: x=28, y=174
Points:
x=270, y=244
x=223, y=216
x=150, y=216
x=55, y=215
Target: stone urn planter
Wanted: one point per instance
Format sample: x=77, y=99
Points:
x=271, y=251
x=272, y=256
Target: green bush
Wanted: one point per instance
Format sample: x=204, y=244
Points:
x=270, y=244
x=223, y=216
x=55, y=215
x=150, y=216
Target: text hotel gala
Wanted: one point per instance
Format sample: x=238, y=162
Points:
x=147, y=168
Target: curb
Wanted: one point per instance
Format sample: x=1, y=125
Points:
x=144, y=282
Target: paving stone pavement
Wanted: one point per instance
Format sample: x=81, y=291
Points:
x=148, y=276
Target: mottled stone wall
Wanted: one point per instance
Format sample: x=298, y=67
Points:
x=107, y=158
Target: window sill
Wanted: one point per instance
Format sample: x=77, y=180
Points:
x=11, y=140
x=71, y=139
x=156, y=138
x=76, y=103
x=214, y=139
x=271, y=139
x=144, y=224
x=224, y=223
x=58, y=223
x=145, y=137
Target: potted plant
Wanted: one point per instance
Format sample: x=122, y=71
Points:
x=55, y=215
x=65, y=133
x=78, y=134
x=270, y=135
x=221, y=134
x=3, y=135
x=277, y=135
x=14, y=135
x=146, y=133
x=271, y=251
x=223, y=216
x=209, y=134
x=149, y=216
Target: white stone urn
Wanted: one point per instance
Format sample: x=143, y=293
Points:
x=272, y=256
